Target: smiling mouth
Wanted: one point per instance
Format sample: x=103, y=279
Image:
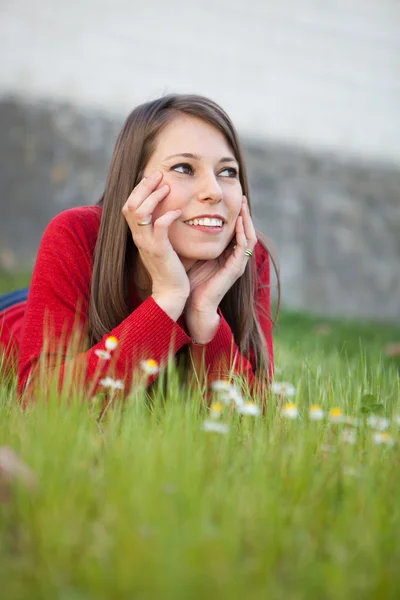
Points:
x=205, y=222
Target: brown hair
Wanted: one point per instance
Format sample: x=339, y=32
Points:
x=115, y=253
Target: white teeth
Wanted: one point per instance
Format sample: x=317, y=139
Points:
x=207, y=222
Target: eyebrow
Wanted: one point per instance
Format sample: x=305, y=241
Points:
x=224, y=159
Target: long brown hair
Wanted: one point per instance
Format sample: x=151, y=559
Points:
x=115, y=253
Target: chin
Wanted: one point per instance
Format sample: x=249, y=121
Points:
x=199, y=255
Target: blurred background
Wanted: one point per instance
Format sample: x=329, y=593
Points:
x=313, y=88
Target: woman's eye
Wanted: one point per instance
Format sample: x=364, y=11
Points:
x=187, y=169
x=232, y=172
x=182, y=168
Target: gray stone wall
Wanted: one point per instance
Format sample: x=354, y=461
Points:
x=334, y=221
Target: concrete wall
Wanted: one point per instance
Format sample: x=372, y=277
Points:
x=324, y=74
x=335, y=221
x=313, y=87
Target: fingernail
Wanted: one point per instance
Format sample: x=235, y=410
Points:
x=155, y=175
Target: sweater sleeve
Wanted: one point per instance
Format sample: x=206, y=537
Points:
x=221, y=357
x=56, y=316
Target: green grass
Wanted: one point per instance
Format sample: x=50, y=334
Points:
x=145, y=504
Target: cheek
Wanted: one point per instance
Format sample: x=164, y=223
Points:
x=233, y=198
x=173, y=201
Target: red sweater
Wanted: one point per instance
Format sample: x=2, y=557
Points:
x=61, y=281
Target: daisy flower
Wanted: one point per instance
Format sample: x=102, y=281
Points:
x=111, y=343
x=222, y=385
x=336, y=415
x=316, y=413
x=150, y=366
x=383, y=437
x=114, y=384
x=215, y=426
x=216, y=410
x=235, y=396
x=249, y=408
x=290, y=411
x=229, y=392
x=283, y=389
x=379, y=423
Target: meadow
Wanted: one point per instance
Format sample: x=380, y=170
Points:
x=303, y=502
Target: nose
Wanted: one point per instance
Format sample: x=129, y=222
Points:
x=209, y=189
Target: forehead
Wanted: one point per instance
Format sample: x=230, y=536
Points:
x=185, y=133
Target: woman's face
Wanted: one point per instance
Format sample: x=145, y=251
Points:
x=203, y=176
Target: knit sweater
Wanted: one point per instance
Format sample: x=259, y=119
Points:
x=58, y=303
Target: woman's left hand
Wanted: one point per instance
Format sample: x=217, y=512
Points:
x=211, y=279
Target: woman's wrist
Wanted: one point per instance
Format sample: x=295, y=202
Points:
x=172, y=305
x=203, y=328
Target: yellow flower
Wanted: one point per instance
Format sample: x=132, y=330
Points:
x=111, y=343
x=316, y=413
x=150, y=366
x=290, y=411
x=336, y=415
x=216, y=410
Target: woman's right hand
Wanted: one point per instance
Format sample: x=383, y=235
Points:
x=170, y=282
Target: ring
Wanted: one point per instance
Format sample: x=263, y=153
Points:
x=249, y=252
x=148, y=222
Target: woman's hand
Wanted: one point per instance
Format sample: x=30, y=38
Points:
x=170, y=283
x=211, y=279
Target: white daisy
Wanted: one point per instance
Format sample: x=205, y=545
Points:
x=249, y=408
x=215, y=426
x=103, y=354
x=114, y=384
x=222, y=385
x=316, y=413
x=150, y=366
x=283, y=389
x=228, y=392
x=236, y=397
x=290, y=411
x=379, y=423
x=111, y=343
x=383, y=437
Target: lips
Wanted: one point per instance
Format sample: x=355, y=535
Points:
x=213, y=230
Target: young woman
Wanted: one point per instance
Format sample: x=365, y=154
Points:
x=168, y=262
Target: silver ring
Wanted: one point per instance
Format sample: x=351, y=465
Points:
x=141, y=223
x=249, y=252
